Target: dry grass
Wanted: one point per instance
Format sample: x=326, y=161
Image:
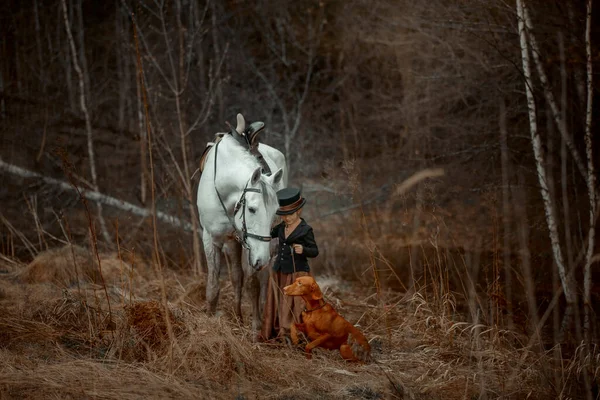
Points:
x=58, y=342
x=63, y=266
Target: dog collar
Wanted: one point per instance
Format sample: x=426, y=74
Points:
x=318, y=308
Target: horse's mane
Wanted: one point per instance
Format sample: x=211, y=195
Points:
x=244, y=155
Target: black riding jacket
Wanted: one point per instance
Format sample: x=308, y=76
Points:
x=303, y=234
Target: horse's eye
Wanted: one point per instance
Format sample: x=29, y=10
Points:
x=252, y=210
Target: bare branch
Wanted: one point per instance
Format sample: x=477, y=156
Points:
x=97, y=197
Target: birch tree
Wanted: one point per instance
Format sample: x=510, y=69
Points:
x=84, y=108
x=556, y=113
x=539, y=157
x=591, y=177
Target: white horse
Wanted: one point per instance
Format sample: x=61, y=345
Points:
x=236, y=209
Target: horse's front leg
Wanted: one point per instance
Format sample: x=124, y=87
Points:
x=254, y=293
x=233, y=254
x=214, y=258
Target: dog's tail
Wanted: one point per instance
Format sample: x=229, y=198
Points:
x=361, y=349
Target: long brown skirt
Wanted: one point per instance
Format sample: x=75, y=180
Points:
x=281, y=310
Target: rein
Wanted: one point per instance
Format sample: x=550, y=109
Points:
x=242, y=236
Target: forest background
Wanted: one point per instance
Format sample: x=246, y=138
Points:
x=446, y=148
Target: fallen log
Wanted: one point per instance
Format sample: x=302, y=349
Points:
x=98, y=197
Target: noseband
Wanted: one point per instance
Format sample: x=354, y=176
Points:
x=243, y=235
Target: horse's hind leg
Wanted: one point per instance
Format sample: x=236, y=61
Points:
x=233, y=254
x=214, y=258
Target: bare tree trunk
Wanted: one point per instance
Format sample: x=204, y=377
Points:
x=506, y=211
x=539, y=159
x=2, y=101
x=88, y=123
x=69, y=75
x=18, y=68
x=556, y=330
x=217, y=56
x=121, y=57
x=180, y=84
x=563, y=155
x=520, y=205
x=127, y=69
x=558, y=116
x=143, y=145
x=38, y=45
x=591, y=181
x=197, y=23
x=68, y=62
x=565, y=195
x=416, y=267
x=81, y=53
x=578, y=73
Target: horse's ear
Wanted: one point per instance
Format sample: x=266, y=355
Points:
x=276, y=177
x=241, y=124
x=256, y=176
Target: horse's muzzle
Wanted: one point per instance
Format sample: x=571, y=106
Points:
x=258, y=265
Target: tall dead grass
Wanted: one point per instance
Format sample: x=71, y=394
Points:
x=62, y=344
x=66, y=332
x=444, y=271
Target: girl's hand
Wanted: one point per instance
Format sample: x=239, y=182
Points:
x=298, y=249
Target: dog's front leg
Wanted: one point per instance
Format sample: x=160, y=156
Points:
x=294, y=328
x=315, y=343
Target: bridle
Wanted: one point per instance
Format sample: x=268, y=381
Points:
x=243, y=235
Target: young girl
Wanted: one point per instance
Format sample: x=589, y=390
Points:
x=296, y=244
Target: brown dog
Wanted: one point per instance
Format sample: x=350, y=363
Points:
x=323, y=325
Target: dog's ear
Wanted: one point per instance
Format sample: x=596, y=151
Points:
x=316, y=291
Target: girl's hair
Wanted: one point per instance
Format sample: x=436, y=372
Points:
x=299, y=212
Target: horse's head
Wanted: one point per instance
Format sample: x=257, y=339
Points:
x=254, y=216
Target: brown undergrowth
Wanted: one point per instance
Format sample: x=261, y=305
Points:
x=57, y=340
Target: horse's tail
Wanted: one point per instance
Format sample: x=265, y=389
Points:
x=361, y=349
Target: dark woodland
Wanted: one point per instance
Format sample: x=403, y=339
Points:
x=448, y=151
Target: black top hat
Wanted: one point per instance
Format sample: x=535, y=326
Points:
x=289, y=200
